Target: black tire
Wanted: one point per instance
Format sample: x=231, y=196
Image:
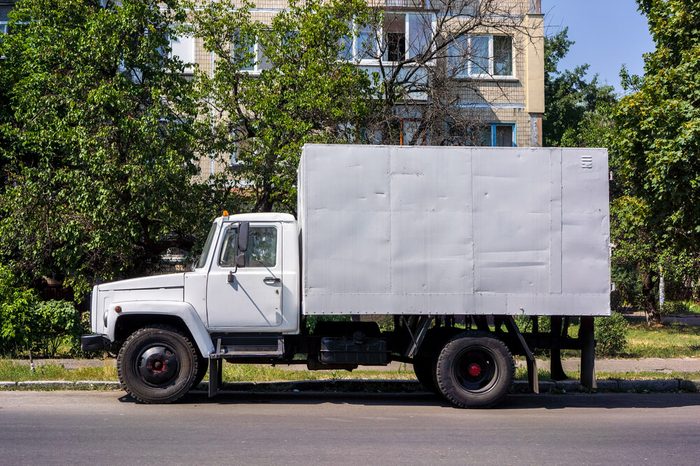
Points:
x=423, y=368
x=474, y=370
x=425, y=361
x=203, y=365
x=157, y=364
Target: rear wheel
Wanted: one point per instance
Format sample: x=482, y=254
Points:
x=474, y=370
x=424, y=362
x=157, y=364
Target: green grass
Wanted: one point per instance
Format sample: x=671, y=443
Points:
x=671, y=341
x=260, y=373
x=20, y=372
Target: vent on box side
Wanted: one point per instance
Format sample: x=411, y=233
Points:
x=586, y=161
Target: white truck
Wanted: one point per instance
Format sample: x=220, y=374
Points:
x=442, y=245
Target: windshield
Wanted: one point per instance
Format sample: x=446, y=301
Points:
x=207, y=246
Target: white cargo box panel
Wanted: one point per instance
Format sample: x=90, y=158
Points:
x=454, y=230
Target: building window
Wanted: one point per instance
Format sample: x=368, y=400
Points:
x=503, y=135
x=234, y=162
x=183, y=48
x=395, y=36
x=3, y=27
x=502, y=56
x=404, y=36
x=411, y=132
x=251, y=56
x=463, y=7
x=481, y=56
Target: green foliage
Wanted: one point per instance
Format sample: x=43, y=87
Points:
x=525, y=324
x=301, y=94
x=672, y=308
x=577, y=109
x=54, y=322
x=312, y=321
x=28, y=324
x=656, y=148
x=97, y=153
x=16, y=306
x=611, y=335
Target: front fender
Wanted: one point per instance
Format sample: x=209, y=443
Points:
x=179, y=309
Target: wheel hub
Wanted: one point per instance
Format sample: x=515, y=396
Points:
x=474, y=370
x=158, y=365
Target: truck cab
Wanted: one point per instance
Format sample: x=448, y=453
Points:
x=256, y=290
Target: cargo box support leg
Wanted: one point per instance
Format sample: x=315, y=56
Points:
x=215, y=373
x=587, y=338
x=532, y=376
x=555, y=368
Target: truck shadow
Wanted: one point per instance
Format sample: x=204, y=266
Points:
x=395, y=393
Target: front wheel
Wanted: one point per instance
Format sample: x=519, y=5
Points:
x=474, y=371
x=157, y=364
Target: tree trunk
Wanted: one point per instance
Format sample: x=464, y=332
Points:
x=651, y=305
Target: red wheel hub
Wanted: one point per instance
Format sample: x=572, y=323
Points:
x=474, y=370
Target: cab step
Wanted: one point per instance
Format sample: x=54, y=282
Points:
x=229, y=346
x=249, y=346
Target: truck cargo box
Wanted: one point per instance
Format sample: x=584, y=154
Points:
x=454, y=230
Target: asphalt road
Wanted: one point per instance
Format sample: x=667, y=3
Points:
x=108, y=428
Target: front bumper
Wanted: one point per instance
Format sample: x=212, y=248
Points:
x=94, y=342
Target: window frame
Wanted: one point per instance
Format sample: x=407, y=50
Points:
x=234, y=226
x=258, y=56
x=514, y=128
x=189, y=66
x=467, y=72
x=355, y=52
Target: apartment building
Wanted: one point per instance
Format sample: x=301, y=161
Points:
x=490, y=74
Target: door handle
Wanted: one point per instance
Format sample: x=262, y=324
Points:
x=271, y=280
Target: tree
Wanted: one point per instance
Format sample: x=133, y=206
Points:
x=656, y=151
x=275, y=87
x=577, y=109
x=96, y=130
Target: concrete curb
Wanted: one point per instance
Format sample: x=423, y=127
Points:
x=377, y=386
x=614, y=385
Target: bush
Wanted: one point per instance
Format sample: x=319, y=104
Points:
x=671, y=308
x=29, y=324
x=54, y=322
x=611, y=335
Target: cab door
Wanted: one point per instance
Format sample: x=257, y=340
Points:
x=250, y=296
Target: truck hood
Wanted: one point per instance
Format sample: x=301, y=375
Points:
x=172, y=280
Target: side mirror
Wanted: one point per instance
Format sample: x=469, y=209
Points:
x=242, y=245
x=243, y=228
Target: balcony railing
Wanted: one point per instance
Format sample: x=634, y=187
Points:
x=406, y=3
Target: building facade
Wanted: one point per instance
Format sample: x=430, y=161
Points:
x=483, y=85
x=491, y=75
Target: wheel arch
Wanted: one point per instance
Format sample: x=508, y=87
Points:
x=178, y=315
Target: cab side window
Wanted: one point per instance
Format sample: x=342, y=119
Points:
x=262, y=247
